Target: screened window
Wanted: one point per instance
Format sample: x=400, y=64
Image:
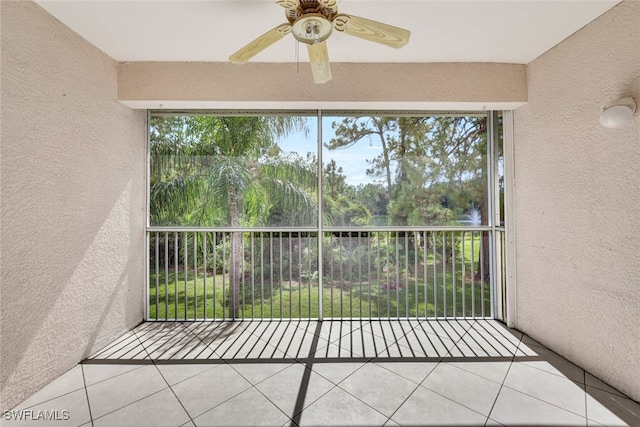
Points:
x=262, y=170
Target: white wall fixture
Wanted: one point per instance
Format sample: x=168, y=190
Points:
x=616, y=114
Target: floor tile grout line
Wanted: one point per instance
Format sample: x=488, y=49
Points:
x=412, y=393
x=142, y=364
x=586, y=398
x=362, y=401
x=220, y=403
x=488, y=342
x=109, y=347
x=155, y=340
x=498, y=335
x=208, y=345
x=44, y=401
x=544, y=401
x=378, y=363
x=189, y=336
x=474, y=373
x=205, y=344
x=501, y=387
x=306, y=377
x=479, y=347
x=613, y=393
x=455, y=401
x=551, y=373
x=250, y=333
x=129, y=404
x=447, y=350
x=175, y=395
x=264, y=379
x=86, y=393
x=291, y=417
x=149, y=395
x=534, y=397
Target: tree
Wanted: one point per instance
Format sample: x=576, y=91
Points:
x=214, y=171
x=434, y=166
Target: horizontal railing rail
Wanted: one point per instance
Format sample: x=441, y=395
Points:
x=277, y=273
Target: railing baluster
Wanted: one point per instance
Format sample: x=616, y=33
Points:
x=415, y=272
x=426, y=279
x=388, y=284
x=350, y=272
x=482, y=272
x=185, y=249
x=224, y=275
x=262, y=275
x=271, y=273
x=309, y=243
x=406, y=274
x=379, y=270
x=341, y=278
x=369, y=271
x=359, y=269
x=204, y=275
x=281, y=273
x=435, y=274
x=175, y=274
x=333, y=281
x=300, y=275
x=397, y=278
x=444, y=274
x=215, y=274
x=157, y=272
x=464, y=278
x=289, y=245
x=195, y=275
x=473, y=273
x=253, y=276
x=166, y=276
x=243, y=285
x=454, y=286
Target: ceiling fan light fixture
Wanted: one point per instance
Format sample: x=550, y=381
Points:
x=312, y=28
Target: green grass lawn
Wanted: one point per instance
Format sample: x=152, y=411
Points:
x=199, y=298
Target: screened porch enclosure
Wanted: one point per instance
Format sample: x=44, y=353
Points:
x=325, y=216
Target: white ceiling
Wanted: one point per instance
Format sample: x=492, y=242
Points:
x=510, y=31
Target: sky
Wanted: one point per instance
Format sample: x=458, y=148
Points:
x=352, y=159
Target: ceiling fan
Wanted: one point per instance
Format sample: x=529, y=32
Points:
x=311, y=22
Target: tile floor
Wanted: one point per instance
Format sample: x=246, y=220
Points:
x=350, y=373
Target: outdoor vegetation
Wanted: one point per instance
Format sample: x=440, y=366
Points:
x=247, y=189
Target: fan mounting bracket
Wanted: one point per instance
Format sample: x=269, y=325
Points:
x=312, y=28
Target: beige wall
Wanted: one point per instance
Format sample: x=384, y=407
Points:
x=578, y=201
x=72, y=183
x=435, y=86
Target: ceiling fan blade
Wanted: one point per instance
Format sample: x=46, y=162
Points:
x=319, y=58
x=260, y=44
x=372, y=30
x=288, y=4
x=330, y=5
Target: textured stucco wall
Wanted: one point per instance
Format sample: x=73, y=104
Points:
x=578, y=201
x=72, y=184
x=354, y=85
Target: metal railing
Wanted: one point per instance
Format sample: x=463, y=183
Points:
x=218, y=274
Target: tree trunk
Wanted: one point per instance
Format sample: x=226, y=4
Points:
x=235, y=257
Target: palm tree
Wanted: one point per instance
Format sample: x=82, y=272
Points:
x=215, y=171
